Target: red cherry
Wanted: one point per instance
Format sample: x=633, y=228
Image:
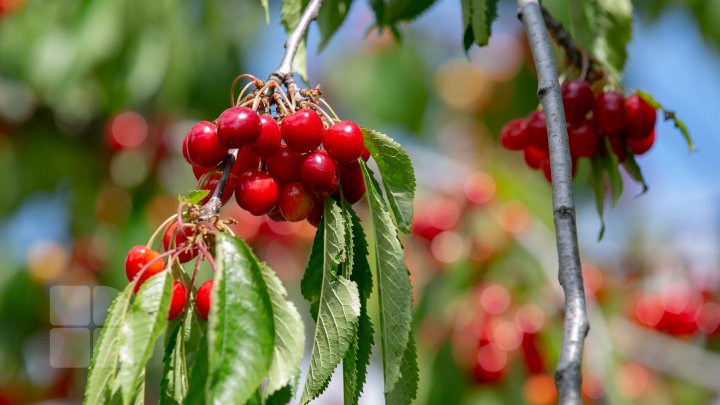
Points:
x=547, y=173
x=178, y=300
x=296, y=202
x=211, y=185
x=537, y=131
x=490, y=365
x=315, y=216
x=365, y=155
x=532, y=356
x=609, y=112
x=302, y=130
x=257, y=192
x=139, y=259
x=640, y=117
x=319, y=173
x=619, y=147
x=577, y=97
x=352, y=183
x=202, y=300
x=284, y=165
x=534, y=157
x=246, y=160
x=180, y=240
x=202, y=147
x=583, y=139
x=238, y=126
x=269, y=140
x=344, y=142
x=642, y=145
x=276, y=215
x=201, y=171
x=513, y=136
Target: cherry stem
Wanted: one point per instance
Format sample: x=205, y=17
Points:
x=247, y=86
x=320, y=110
x=235, y=82
x=212, y=207
x=207, y=256
x=284, y=96
x=327, y=105
x=159, y=229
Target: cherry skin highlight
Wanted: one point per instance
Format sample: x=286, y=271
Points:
x=284, y=165
x=138, y=258
x=513, y=136
x=296, y=202
x=344, y=142
x=269, y=140
x=202, y=146
x=577, y=99
x=178, y=300
x=319, y=173
x=202, y=300
x=180, y=240
x=302, y=130
x=238, y=126
x=257, y=192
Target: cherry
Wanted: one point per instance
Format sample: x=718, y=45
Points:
x=577, y=97
x=269, y=140
x=365, y=155
x=202, y=300
x=211, y=184
x=640, y=117
x=319, y=173
x=352, y=183
x=246, y=160
x=344, y=142
x=180, y=240
x=513, y=136
x=537, y=131
x=238, y=126
x=257, y=192
x=534, y=157
x=642, y=145
x=295, y=202
x=315, y=216
x=302, y=130
x=178, y=300
x=619, y=147
x=284, y=165
x=490, y=364
x=139, y=258
x=276, y=215
x=609, y=112
x=202, y=147
x=583, y=139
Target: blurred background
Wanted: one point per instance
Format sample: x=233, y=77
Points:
x=95, y=99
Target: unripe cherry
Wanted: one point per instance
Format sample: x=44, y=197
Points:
x=211, y=184
x=139, y=259
x=302, y=130
x=537, y=131
x=577, y=99
x=246, y=160
x=180, y=240
x=203, y=299
x=642, y=145
x=609, y=112
x=513, y=135
x=352, y=183
x=202, y=146
x=319, y=173
x=583, y=139
x=284, y=165
x=177, y=300
x=257, y=192
x=534, y=157
x=269, y=140
x=344, y=142
x=296, y=202
x=238, y=126
x=640, y=118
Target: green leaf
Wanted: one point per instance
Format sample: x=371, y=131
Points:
x=393, y=281
x=339, y=308
x=105, y=354
x=597, y=182
x=406, y=388
x=290, y=13
x=144, y=323
x=266, y=7
x=669, y=116
x=330, y=18
x=198, y=376
x=397, y=173
x=240, y=326
x=174, y=383
x=478, y=16
x=378, y=7
x=613, y=31
x=611, y=165
x=311, y=283
x=632, y=168
x=357, y=357
x=194, y=196
x=281, y=396
x=289, y=335
x=406, y=10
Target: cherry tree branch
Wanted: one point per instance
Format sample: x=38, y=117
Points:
x=568, y=374
x=283, y=74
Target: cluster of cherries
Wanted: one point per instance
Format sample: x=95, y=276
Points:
x=283, y=170
x=678, y=312
x=628, y=123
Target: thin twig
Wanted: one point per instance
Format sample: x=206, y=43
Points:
x=568, y=375
x=212, y=207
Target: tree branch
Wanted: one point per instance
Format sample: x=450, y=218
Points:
x=283, y=74
x=568, y=374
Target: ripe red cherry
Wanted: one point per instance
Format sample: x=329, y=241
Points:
x=619, y=147
x=202, y=300
x=202, y=147
x=200, y=171
x=577, y=99
x=139, y=258
x=211, y=185
x=319, y=173
x=302, y=130
x=178, y=300
x=284, y=165
x=246, y=160
x=537, y=131
x=490, y=365
x=534, y=157
x=365, y=155
x=583, y=139
x=513, y=136
x=276, y=215
x=257, y=192
x=180, y=240
x=316, y=213
x=642, y=145
x=352, y=183
x=269, y=140
x=296, y=202
x=640, y=117
x=609, y=112
x=344, y=142
x=238, y=126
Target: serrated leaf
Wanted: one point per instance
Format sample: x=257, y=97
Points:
x=406, y=10
x=290, y=13
x=633, y=169
x=478, y=16
x=240, y=326
x=598, y=185
x=281, y=396
x=311, y=283
x=198, y=376
x=144, y=323
x=398, y=176
x=613, y=31
x=174, y=382
x=194, y=196
x=406, y=389
x=378, y=7
x=669, y=116
x=331, y=16
x=101, y=375
x=289, y=335
x=611, y=164
x=393, y=281
x=339, y=308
